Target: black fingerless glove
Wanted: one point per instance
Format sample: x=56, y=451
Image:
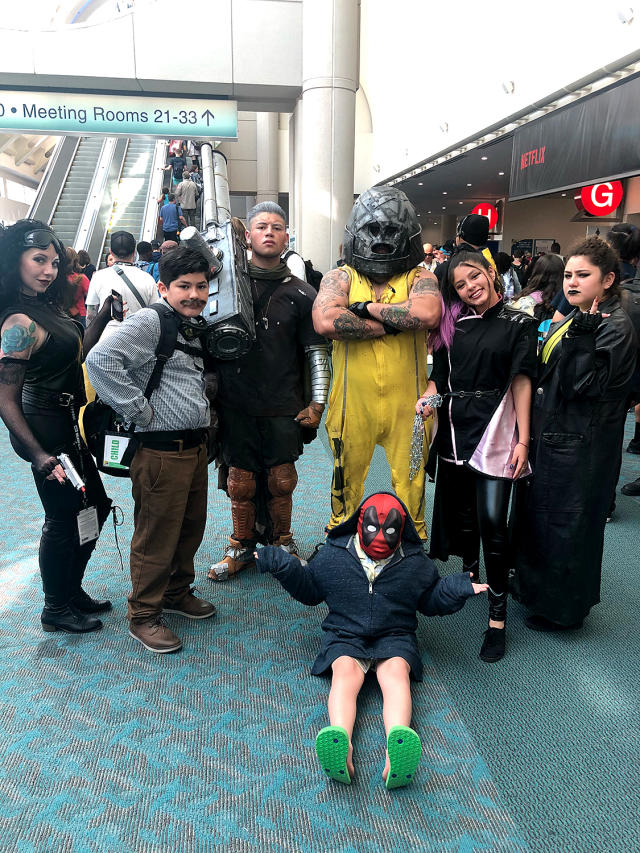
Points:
x=584, y=324
x=390, y=330
x=361, y=309
x=44, y=464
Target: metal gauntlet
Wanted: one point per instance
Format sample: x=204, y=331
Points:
x=318, y=356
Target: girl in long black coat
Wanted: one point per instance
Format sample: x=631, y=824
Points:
x=579, y=405
x=374, y=575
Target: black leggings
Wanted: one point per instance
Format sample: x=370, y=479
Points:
x=62, y=559
x=482, y=507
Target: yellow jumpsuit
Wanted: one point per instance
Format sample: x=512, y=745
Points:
x=376, y=382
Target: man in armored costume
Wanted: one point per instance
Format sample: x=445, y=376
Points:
x=377, y=308
x=265, y=411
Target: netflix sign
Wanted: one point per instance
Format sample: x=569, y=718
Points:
x=592, y=141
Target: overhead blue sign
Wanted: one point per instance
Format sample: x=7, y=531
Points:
x=117, y=115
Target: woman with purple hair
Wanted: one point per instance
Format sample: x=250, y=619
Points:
x=484, y=355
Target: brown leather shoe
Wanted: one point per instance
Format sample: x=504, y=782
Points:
x=191, y=607
x=155, y=635
x=235, y=559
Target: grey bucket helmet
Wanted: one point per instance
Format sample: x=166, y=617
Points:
x=382, y=235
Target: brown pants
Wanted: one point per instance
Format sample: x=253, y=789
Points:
x=170, y=496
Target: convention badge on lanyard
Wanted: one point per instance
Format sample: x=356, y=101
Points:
x=88, y=530
x=87, y=518
x=115, y=445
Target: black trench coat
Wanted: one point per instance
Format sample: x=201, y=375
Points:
x=577, y=428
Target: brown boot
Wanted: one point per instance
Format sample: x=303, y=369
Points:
x=155, y=635
x=236, y=558
x=288, y=544
x=190, y=606
x=281, y=482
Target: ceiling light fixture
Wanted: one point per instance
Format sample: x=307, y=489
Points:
x=444, y=192
x=500, y=173
x=484, y=157
x=469, y=185
x=420, y=183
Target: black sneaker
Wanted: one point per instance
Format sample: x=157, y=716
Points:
x=632, y=489
x=493, y=645
x=634, y=446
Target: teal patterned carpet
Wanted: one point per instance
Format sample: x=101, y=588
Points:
x=107, y=747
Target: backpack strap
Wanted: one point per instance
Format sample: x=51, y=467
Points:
x=166, y=345
x=129, y=284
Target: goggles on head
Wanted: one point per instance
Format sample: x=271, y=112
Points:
x=42, y=238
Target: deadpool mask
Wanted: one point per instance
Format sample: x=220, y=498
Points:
x=380, y=525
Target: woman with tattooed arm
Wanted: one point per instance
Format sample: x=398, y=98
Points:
x=41, y=389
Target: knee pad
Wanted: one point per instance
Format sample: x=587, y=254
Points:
x=282, y=480
x=241, y=485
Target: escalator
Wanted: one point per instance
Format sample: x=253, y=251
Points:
x=96, y=185
x=131, y=198
x=71, y=203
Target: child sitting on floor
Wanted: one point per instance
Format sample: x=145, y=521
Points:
x=374, y=575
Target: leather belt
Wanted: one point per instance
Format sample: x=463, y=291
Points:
x=46, y=399
x=462, y=394
x=172, y=441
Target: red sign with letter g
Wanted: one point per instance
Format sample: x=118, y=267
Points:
x=601, y=199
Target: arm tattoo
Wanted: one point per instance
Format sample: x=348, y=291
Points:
x=399, y=316
x=349, y=327
x=334, y=290
x=422, y=285
x=12, y=371
x=18, y=338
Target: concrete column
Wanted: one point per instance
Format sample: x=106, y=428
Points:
x=330, y=59
x=292, y=172
x=297, y=172
x=267, y=166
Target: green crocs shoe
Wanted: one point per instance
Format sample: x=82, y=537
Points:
x=404, y=748
x=332, y=746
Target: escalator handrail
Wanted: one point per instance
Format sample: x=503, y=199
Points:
x=64, y=143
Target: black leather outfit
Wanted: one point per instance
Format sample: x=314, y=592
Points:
x=53, y=376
